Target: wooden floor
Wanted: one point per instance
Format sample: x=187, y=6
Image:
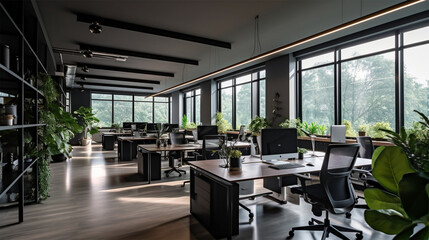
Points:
x=93, y=196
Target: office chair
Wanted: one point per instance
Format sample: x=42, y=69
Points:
x=242, y=134
x=335, y=192
x=175, y=138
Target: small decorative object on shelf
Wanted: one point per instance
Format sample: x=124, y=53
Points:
x=8, y=119
x=5, y=52
x=12, y=110
x=301, y=152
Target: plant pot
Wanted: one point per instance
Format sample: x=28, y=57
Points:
x=158, y=142
x=234, y=164
x=59, y=157
x=8, y=120
x=12, y=110
x=86, y=141
x=362, y=134
x=300, y=155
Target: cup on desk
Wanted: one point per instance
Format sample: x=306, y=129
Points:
x=234, y=164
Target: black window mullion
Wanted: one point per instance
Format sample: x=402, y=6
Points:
x=234, y=109
x=399, y=80
x=113, y=108
x=337, y=87
x=299, y=89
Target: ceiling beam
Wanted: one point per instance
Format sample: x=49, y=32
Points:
x=150, y=30
x=111, y=85
x=87, y=76
x=128, y=70
x=136, y=54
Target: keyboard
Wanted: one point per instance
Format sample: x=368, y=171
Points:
x=286, y=166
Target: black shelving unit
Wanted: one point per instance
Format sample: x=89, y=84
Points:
x=29, y=54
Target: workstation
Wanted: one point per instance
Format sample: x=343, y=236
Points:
x=214, y=119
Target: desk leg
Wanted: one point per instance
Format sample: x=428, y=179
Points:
x=148, y=167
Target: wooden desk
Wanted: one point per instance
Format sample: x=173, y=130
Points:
x=150, y=148
x=327, y=139
x=127, y=146
x=213, y=187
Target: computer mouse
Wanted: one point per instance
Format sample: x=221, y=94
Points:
x=310, y=164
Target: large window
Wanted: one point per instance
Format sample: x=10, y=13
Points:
x=359, y=82
x=119, y=108
x=242, y=97
x=193, y=105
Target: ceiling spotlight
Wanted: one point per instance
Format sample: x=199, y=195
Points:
x=85, y=69
x=87, y=53
x=95, y=27
x=83, y=78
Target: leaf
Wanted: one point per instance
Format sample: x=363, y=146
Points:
x=423, y=234
x=378, y=199
x=389, y=166
x=406, y=233
x=427, y=189
x=412, y=191
x=386, y=221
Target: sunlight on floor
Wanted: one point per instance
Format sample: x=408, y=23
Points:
x=175, y=183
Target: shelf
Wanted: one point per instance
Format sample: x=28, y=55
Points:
x=13, y=75
x=3, y=128
x=23, y=37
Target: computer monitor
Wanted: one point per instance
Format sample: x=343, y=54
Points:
x=279, y=143
x=152, y=127
x=126, y=125
x=206, y=130
x=141, y=125
x=170, y=126
x=338, y=133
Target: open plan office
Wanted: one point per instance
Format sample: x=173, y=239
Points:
x=239, y=119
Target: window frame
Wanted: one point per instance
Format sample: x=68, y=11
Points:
x=254, y=91
x=112, y=100
x=194, y=103
x=398, y=50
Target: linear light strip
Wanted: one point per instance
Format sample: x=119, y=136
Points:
x=341, y=27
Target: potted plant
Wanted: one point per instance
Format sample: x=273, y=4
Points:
x=362, y=130
x=403, y=171
x=159, y=132
x=184, y=122
x=350, y=132
x=117, y=127
x=88, y=120
x=301, y=152
x=60, y=127
x=234, y=159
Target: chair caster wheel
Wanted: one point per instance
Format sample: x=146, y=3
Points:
x=252, y=198
x=251, y=215
x=310, y=223
x=348, y=215
x=359, y=236
x=290, y=235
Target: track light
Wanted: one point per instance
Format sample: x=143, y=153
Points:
x=95, y=27
x=83, y=78
x=87, y=53
x=85, y=69
x=82, y=89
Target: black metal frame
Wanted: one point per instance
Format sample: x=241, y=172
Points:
x=254, y=91
x=336, y=47
x=112, y=100
x=194, y=101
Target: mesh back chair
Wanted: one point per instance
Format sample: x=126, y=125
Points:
x=175, y=138
x=366, y=147
x=211, y=144
x=335, y=192
x=242, y=134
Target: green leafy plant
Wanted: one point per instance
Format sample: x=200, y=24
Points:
x=222, y=124
x=404, y=204
x=302, y=150
x=257, y=124
x=314, y=128
x=184, y=121
x=349, y=129
x=88, y=120
x=116, y=126
x=414, y=144
x=364, y=128
x=160, y=130
x=60, y=127
x=191, y=125
x=376, y=130
x=234, y=153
